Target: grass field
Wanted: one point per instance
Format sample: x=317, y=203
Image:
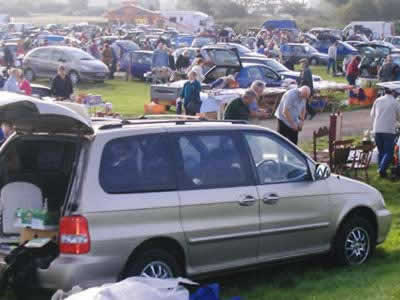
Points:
x=127, y=97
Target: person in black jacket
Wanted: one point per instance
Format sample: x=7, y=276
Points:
x=183, y=61
x=171, y=60
x=306, y=79
x=61, y=86
x=8, y=57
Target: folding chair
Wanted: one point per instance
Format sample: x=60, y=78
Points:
x=360, y=158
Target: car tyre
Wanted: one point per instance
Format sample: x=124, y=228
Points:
x=29, y=75
x=314, y=61
x=156, y=263
x=355, y=242
x=74, y=76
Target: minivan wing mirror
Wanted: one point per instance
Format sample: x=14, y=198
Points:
x=322, y=172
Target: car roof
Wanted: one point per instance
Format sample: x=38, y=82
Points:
x=144, y=51
x=110, y=126
x=297, y=44
x=256, y=58
x=255, y=65
x=66, y=48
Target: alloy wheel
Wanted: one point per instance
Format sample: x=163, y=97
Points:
x=157, y=269
x=357, y=246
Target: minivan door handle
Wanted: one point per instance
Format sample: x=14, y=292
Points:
x=271, y=199
x=247, y=200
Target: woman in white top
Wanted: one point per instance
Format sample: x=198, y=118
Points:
x=198, y=68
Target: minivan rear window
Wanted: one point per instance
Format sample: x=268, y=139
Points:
x=137, y=164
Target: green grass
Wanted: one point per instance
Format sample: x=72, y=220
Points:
x=128, y=97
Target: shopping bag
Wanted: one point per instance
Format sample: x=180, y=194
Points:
x=138, y=288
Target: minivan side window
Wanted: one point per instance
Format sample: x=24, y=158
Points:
x=275, y=160
x=137, y=164
x=211, y=160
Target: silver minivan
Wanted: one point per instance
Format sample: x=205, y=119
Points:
x=43, y=62
x=173, y=197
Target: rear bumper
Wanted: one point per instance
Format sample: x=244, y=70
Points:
x=384, y=218
x=67, y=271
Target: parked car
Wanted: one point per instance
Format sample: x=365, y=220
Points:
x=276, y=66
x=394, y=40
x=242, y=50
x=191, y=51
x=43, y=62
x=300, y=51
x=125, y=46
x=204, y=40
x=246, y=74
x=344, y=49
x=138, y=62
x=226, y=62
x=166, y=198
x=317, y=31
x=382, y=48
x=182, y=40
x=396, y=60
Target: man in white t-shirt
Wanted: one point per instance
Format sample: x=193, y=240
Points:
x=385, y=114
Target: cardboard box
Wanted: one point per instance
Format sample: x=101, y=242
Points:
x=28, y=234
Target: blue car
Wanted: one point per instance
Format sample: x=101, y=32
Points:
x=276, y=66
x=183, y=40
x=139, y=64
x=343, y=50
x=246, y=74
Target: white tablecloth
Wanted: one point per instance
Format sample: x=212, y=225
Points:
x=216, y=101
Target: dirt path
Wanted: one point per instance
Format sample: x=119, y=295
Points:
x=354, y=123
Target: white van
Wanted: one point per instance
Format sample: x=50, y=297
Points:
x=189, y=21
x=379, y=30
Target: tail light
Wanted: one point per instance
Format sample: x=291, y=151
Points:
x=74, y=235
x=396, y=155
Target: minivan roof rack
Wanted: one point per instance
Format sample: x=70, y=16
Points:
x=160, y=119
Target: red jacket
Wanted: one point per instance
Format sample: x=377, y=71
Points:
x=25, y=87
x=352, y=68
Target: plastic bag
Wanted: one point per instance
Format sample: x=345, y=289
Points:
x=138, y=288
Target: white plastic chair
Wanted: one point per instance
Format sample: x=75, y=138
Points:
x=18, y=195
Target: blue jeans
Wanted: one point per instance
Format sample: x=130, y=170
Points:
x=351, y=79
x=385, y=144
x=332, y=64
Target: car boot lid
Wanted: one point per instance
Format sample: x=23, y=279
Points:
x=35, y=116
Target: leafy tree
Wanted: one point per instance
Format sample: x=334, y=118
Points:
x=293, y=7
